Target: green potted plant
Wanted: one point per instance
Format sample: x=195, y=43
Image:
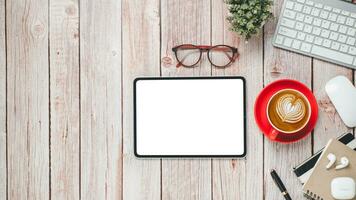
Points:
x=247, y=17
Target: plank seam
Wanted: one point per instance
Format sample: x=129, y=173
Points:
x=6, y=104
x=263, y=138
x=122, y=104
x=49, y=99
x=80, y=101
x=160, y=74
x=211, y=74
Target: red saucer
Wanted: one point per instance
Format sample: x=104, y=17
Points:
x=261, y=107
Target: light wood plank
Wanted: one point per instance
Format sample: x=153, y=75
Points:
x=100, y=81
x=283, y=64
x=241, y=178
x=185, y=22
x=28, y=99
x=3, y=175
x=64, y=99
x=329, y=124
x=141, y=40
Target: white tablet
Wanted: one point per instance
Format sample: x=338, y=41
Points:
x=189, y=117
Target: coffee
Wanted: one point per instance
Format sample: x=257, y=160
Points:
x=288, y=110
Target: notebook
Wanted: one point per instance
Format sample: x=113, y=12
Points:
x=318, y=185
x=305, y=168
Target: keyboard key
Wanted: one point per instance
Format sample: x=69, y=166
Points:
x=324, y=14
x=351, y=41
x=318, y=41
x=336, y=10
x=288, y=23
x=308, y=28
x=301, y=36
x=325, y=33
x=328, y=8
x=309, y=38
x=287, y=32
x=315, y=12
x=334, y=27
x=342, y=38
x=319, y=5
x=289, y=5
x=317, y=22
x=350, y=21
x=310, y=3
x=301, y=1
x=344, y=12
x=289, y=13
x=279, y=39
x=316, y=31
x=341, y=19
x=307, y=10
x=327, y=43
x=344, y=48
x=298, y=7
x=352, y=51
x=335, y=45
x=351, y=31
x=342, y=29
x=332, y=17
x=353, y=15
x=308, y=19
x=296, y=44
x=305, y=47
x=334, y=35
x=331, y=54
x=287, y=42
x=299, y=26
x=300, y=17
x=325, y=24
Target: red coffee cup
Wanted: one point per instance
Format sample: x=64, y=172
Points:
x=261, y=115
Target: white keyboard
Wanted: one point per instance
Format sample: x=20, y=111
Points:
x=324, y=29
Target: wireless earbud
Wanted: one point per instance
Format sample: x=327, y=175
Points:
x=332, y=159
x=344, y=162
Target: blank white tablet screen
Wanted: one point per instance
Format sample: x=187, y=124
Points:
x=189, y=117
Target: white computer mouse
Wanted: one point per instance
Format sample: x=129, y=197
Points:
x=342, y=94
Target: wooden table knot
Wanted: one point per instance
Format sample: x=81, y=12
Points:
x=167, y=61
x=38, y=29
x=276, y=71
x=71, y=10
x=327, y=107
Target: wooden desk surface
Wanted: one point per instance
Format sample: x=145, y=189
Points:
x=66, y=75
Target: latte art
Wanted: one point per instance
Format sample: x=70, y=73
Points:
x=290, y=109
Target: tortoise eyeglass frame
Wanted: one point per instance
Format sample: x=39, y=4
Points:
x=207, y=49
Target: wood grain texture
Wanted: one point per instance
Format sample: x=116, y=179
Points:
x=64, y=99
x=185, y=22
x=3, y=164
x=329, y=123
x=284, y=64
x=100, y=96
x=28, y=99
x=241, y=178
x=141, y=40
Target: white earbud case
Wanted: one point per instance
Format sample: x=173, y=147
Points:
x=343, y=188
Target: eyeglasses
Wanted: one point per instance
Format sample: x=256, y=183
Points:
x=189, y=55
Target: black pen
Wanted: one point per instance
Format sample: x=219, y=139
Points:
x=279, y=184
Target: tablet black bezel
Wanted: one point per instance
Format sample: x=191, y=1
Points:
x=189, y=78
